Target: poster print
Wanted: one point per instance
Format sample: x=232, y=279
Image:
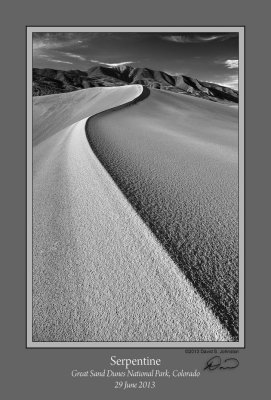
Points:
x=135, y=187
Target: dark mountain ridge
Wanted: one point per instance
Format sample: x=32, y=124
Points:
x=50, y=81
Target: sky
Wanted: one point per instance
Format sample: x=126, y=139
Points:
x=211, y=57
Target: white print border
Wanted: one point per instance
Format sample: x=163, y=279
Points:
x=239, y=344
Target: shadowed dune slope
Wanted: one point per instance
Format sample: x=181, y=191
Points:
x=176, y=160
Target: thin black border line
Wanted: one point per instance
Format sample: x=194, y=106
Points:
x=32, y=194
x=244, y=177
x=244, y=211
x=135, y=26
x=132, y=348
x=26, y=197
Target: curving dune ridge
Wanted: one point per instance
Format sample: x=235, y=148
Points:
x=99, y=274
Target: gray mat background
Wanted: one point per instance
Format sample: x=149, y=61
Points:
x=45, y=373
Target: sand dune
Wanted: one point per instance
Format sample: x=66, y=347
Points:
x=176, y=160
x=55, y=112
x=99, y=273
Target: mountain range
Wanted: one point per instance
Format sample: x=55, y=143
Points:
x=50, y=81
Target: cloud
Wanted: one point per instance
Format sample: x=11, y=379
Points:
x=112, y=64
x=230, y=81
x=179, y=39
x=72, y=55
x=198, y=38
x=232, y=64
x=54, y=47
x=43, y=41
x=46, y=44
x=59, y=61
x=59, y=40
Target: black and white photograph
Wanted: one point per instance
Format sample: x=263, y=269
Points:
x=135, y=187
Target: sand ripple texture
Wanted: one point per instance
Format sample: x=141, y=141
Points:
x=176, y=160
x=99, y=272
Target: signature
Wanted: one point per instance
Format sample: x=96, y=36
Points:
x=216, y=362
